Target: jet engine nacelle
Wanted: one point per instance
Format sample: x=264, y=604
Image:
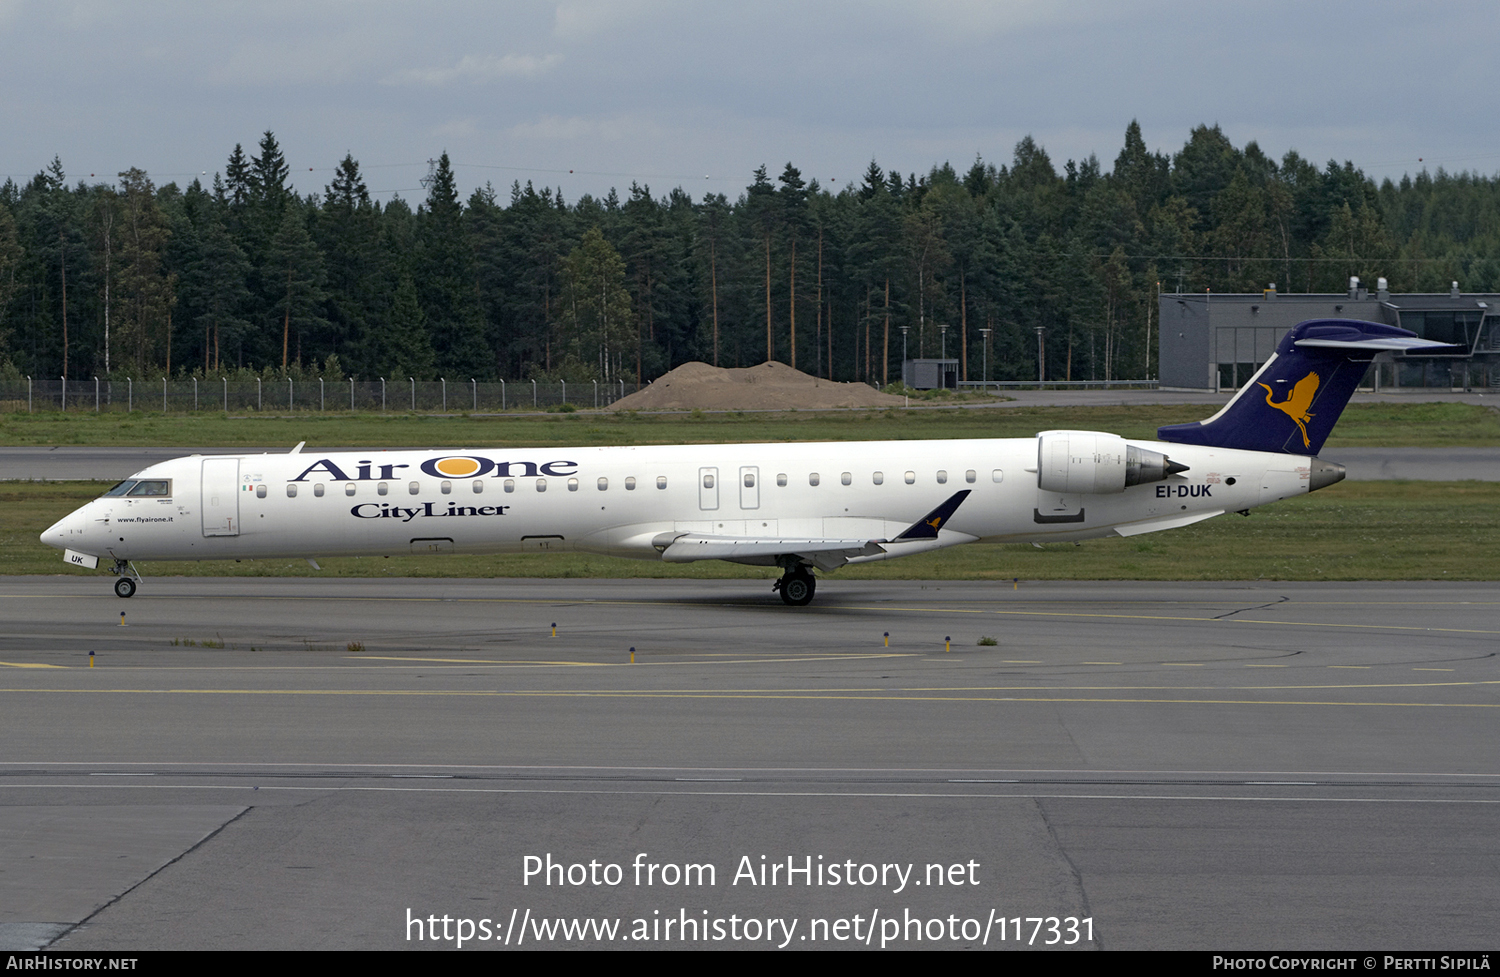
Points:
x=1091, y=463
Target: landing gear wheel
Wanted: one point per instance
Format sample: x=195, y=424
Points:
x=797, y=588
x=125, y=587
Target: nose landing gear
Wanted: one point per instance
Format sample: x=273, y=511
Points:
x=128, y=578
x=796, y=586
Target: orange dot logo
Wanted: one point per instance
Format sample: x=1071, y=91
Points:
x=458, y=467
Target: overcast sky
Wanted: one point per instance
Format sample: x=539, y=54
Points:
x=589, y=94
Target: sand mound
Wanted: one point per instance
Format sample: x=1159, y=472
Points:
x=770, y=386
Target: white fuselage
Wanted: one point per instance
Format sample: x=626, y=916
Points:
x=616, y=501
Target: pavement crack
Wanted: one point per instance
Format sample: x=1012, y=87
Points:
x=1257, y=607
x=1083, y=896
x=149, y=876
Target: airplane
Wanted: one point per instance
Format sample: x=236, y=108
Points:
x=798, y=506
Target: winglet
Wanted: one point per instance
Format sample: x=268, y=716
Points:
x=927, y=527
x=297, y=450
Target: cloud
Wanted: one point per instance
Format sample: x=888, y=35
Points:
x=475, y=70
x=581, y=18
x=554, y=129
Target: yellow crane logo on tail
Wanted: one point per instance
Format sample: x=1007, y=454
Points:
x=1297, y=402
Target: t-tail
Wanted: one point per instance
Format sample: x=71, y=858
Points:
x=1292, y=402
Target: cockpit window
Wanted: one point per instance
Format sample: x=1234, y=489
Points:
x=151, y=488
x=122, y=488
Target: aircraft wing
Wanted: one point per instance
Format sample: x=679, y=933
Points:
x=824, y=553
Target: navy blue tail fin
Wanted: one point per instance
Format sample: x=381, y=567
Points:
x=1291, y=404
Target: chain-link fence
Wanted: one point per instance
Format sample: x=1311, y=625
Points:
x=282, y=396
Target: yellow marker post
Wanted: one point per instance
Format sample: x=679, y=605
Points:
x=91, y=659
x=1015, y=583
x=948, y=644
x=122, y=619
x=632, y=656
x=887, y=639
x=554, y=629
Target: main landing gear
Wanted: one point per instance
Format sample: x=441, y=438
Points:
x=128, y=578
x=796, y=586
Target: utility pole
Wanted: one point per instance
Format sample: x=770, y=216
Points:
x=986, y=377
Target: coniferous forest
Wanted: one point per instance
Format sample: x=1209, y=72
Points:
x=253, y=276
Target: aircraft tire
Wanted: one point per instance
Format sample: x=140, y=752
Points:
x=797, y=589
x=124, y=587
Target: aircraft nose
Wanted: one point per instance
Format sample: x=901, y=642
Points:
x=67, y=531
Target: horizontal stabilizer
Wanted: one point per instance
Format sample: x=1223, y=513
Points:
x=1379, y=344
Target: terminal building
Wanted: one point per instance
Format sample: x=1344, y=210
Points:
x=1217, y=341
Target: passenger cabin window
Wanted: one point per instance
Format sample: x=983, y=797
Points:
x=846, y=478
x=446, y=488
x=603, y=484
x=318, y=489
x=942, y=477
x=661, y=481
x=383, y=488
x=781, y=479
x=291, y=490
x=878, y=478
x=708, y=481
x=969, y=476
x=349, y=488
x=630, y=484
x=478, y=486
x=572, y=485
x=911, y=478
x=997, y=475
x=260, y=491
x=413, y=487
x=813, y=479
x=749, y=480
x=541, y=485
x=510, y=485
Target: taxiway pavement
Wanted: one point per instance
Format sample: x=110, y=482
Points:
x=306, y=763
